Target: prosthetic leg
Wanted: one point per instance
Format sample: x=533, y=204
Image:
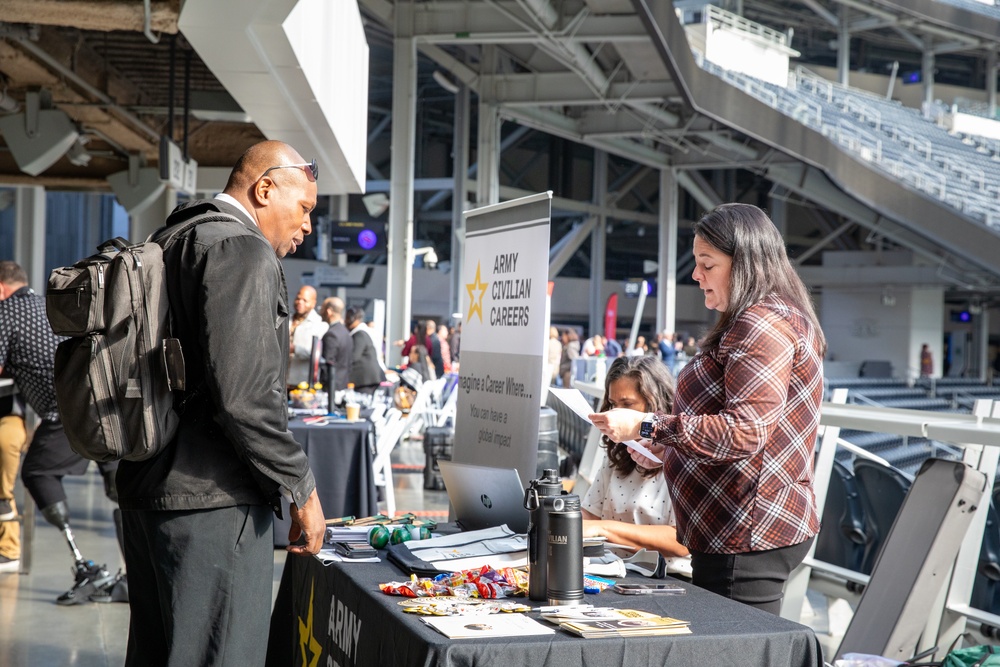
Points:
x=89, y=576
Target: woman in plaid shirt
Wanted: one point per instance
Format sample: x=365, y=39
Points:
x=738, y=449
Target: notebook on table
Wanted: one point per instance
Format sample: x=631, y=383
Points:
x=483, y=496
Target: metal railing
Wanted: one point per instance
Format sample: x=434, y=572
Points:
x=722, y=19
x=978, y=438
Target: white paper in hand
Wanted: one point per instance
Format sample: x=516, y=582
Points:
x=574, y=400
x=632, y=444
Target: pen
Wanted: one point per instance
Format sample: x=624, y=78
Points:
x=342, y=521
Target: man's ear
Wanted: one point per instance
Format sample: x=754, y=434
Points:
x=262, y=189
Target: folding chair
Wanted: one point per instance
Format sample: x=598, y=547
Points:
x=390, y=432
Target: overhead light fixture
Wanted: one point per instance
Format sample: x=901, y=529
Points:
x=38, y=137
x=376, y=203
x=136, y=187
x=7, y=103
x=77, y=153
x=443, y=81
x=430, y=257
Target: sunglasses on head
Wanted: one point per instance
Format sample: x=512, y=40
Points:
x=311, y=169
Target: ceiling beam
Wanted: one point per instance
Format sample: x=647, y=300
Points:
x=507, y=23
x=101, y=15
x=567, y=89
x=26, y=70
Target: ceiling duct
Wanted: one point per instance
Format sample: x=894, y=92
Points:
x=299, y=68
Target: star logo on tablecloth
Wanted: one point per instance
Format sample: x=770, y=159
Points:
x=476, y=304
x=306, y=638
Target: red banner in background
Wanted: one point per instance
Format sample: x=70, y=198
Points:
x=611, y=317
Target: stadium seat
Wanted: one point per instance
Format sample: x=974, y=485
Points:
x=987, y=584
x=842, y=537
x=882, y=490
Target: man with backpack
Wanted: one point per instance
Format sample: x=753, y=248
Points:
x=198, y=515
x=27, y=352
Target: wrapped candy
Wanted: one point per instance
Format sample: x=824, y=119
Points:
x=484, y=582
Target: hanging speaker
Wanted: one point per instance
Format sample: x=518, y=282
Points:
x=136, y=189
x=37, y=149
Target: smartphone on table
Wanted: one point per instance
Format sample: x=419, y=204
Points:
x=649, y=589
x=355, y=549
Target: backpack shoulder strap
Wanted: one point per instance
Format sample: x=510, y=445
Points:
x=165, y=235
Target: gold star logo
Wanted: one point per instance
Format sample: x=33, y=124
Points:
x=476, y=304
x=306, y=638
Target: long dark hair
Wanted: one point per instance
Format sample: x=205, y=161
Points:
x=760, y=266
x=656, y=387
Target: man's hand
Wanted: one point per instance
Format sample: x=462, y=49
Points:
x=307, y=522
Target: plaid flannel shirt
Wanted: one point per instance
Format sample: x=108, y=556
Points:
x=739, y=460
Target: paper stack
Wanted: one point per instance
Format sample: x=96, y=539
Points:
x=609, y=622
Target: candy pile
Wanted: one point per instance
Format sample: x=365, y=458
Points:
x=450, y=606
x=484, y=582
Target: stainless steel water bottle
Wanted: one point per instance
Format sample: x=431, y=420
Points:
x=538, y=501
x=564, y=561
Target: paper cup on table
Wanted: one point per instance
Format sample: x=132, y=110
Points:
x=353, y=411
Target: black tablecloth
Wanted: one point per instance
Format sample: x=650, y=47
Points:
x=341, y=460
x=337, y=616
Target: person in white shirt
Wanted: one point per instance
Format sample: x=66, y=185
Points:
x=306, y=324
x=627, y=504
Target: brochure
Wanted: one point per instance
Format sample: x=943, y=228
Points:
x=496, y=547
x=493, y=625
x=626, y=623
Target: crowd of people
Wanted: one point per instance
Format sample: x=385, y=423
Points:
x=352, y=353
x=564, y=347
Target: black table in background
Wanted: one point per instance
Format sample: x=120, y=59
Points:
x=336, y=615
x=341, y=457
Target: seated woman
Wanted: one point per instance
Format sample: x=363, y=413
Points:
x=627, y=504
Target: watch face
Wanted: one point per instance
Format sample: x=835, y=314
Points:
x=646, y=429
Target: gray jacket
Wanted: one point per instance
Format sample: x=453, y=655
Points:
x=230, y=311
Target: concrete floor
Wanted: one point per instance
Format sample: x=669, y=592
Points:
x=35, y=632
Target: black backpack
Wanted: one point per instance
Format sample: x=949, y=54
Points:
x=116, y=373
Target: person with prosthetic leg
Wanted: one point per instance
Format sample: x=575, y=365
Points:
x=27, y=352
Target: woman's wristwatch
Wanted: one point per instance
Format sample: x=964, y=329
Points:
x=646, y=426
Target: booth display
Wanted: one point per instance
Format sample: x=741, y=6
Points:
x=336, y=615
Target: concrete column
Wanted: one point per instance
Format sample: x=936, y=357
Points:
x=459, y=197
x=339, y=211
x=151, y=218
x=598, y=244
x=991, y=83
x=779, y=209
x=844, y=47
x=983, y=345
x=666, y=276
x=404, y=118
x=927, y=77
x=488, y=140
x=29, y=234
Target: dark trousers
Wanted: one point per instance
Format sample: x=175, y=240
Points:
x=48, y=460
x=199, y=586
x=755, y=578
